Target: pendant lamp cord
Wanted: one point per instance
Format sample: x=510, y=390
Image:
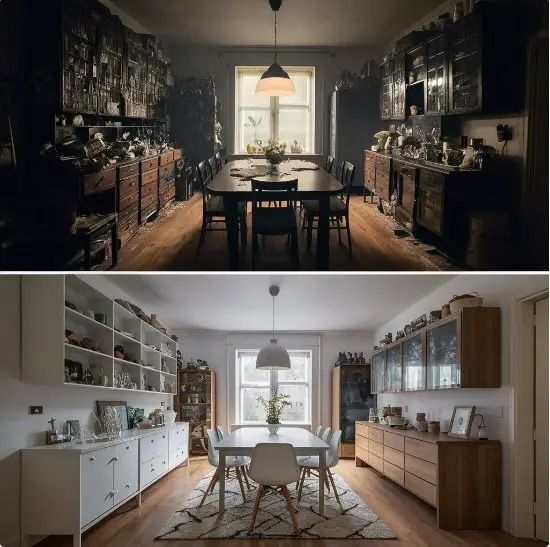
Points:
x=273, y=318
x=275, y=36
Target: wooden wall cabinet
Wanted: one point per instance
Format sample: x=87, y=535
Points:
x=459, y=351
x=460, y=478
x=351, y=400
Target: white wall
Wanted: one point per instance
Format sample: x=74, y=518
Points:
x=495, y=404
x=214, y=347
x=18, y=429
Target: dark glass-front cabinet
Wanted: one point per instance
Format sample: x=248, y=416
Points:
x=398, y=87
x=443, y=355
x=386, y=91
x=378, y=365
x=393, y=369
x=436, y=93
x=414, y=363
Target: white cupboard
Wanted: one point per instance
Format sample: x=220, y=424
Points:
x=66, y=489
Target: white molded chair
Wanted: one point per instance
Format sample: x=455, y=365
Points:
x=220, y=431
x=273, y=466
x=318, y=431
x=235, y=463
x=325, y=435
x=308, y=464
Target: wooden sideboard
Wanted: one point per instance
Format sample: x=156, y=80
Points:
x=460, y=478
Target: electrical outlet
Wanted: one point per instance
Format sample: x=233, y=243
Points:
x=35, y=409
x=162, y=403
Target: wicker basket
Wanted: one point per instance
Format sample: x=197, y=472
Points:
x=465, y=300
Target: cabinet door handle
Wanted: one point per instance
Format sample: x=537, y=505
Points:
x=152, y=440
x=152, y=469
x=115, y=459
x=92, y=458
x=128, y=447
x=164, y=436
x=128, y=485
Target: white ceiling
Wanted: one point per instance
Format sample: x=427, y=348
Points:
x=301, y=22
x=306, y=302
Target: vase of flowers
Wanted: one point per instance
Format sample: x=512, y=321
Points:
x=274, y=153
x=273, y=409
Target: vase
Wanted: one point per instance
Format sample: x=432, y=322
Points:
x=275, y=168
x=273, y=428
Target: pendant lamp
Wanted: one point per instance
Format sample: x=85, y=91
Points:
x=273, y=356
x=275, y=81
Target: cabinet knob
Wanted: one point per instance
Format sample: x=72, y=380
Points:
x=115, y=459
x=152, y=440
x=164, y=436
x=128, y=447
x=128, y=485
x=152, y=469
x=92, y=458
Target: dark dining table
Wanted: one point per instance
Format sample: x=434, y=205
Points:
x=232, y=183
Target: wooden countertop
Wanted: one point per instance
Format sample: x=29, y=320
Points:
x=433, y=438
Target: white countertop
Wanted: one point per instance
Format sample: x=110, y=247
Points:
x=125, y=436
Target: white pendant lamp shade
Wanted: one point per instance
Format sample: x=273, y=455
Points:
x=273, y=356
x=275, y=82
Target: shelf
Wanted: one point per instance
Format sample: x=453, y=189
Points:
x=129, y=338
x=124, y=362
x=167, y=373
x=90, y=351
x=465, y=56
x=87, y=319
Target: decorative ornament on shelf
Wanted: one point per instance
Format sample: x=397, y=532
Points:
x=273, y=356
x=275, y=81
x=274, y=408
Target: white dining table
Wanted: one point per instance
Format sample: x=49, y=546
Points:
x=242, y=442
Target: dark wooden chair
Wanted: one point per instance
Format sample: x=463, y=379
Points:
x=339, y=207
x=213, y=212
x=329, y=164
x=213, y=167
x=221, y=160
x=274, y=221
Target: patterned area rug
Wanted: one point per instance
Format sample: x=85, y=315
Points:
x=357, y=522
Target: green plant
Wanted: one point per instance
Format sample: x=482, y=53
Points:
x=274, y=406
x=274, y=151
x=254, y=124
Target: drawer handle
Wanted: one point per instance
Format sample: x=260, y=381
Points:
x=164, y=436
x=128, y=447
x=152, y=469
x=127, y=486
x=113, y=492
x=152, y=440
x=92, y=458
x=115, y=459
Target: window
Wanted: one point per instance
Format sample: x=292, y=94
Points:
x=252, y=383
x=286, y=119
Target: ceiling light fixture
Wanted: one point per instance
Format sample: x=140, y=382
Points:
x=273, y=356
x=275, y=81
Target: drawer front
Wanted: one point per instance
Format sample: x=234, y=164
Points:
x=149, y=164
x=394, y=473
x=167, y=157
x=128, y=230
x=99, y=182
x=421, y=488
x=153, y=446
x=376, y=435
x=128, y=186
x=178, y=444
x=421, y=449
x=361, y=441
x=126, y=171
x=128, y=200
x=153, y=469
x=126, y=470
x=361, y=453
x=370, y=170
x=421, y=468
x=376, y=448
x=394, y=457
x=430, y=209
x=147, y=201
x=362, y=429
x=376, y=462
x=147, y=211
x=149, y=177
x=394, y=441
x=167, y=171
x=127, y=213
x=96, y=482
x=148, y=189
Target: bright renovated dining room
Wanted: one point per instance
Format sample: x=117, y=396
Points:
x=250, y=410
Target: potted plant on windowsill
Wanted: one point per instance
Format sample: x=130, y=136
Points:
x=273, y=409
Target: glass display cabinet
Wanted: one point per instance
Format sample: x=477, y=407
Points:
x=443, y=355
x=351, y=401
x=394, y=369
x=414, y=363
x=398, y=87
x=436, y=92
x=378, y=364
x=386, y=92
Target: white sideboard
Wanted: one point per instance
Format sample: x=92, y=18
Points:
x=67, y=488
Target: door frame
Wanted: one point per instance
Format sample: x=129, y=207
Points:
x=522, y=376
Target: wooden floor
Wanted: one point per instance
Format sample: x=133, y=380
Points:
x=413, y=521
x=170, y=244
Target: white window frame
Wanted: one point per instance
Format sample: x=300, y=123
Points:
x=274, y=108
x=273, y=385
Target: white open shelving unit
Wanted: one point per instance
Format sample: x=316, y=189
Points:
x=45, y=317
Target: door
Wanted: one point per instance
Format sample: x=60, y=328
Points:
x=541, y=420
x=126, y=470
x=394, y=369
x=443, y=355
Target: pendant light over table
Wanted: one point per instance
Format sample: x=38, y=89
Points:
x=275, y=81
x=273, y=356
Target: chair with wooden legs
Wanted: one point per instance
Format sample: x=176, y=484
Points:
x=273, y=467
x=339, y=208
x=311, y=465
x=329, y=164
x=233, y=463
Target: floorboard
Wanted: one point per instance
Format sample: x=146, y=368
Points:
x=170, y=244
x=413, y=521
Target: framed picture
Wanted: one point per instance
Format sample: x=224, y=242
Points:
x=120, y=408
x=461, y=422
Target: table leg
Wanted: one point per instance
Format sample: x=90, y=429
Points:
x=322, y=463
x=322, y=258
x=231, y=207
x=222, y=483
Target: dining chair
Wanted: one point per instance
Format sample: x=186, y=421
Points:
x=329, y=164
x=338, y=209
x=318, y=431
x=311, y=464
x=213, y=212
x=236, y=463
x=326, y=434
x=221, y=160
x=220, y=431
x=274, y=221
x=213, y=166
x=273, y=467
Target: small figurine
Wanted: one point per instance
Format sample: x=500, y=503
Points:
x=119, y=352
